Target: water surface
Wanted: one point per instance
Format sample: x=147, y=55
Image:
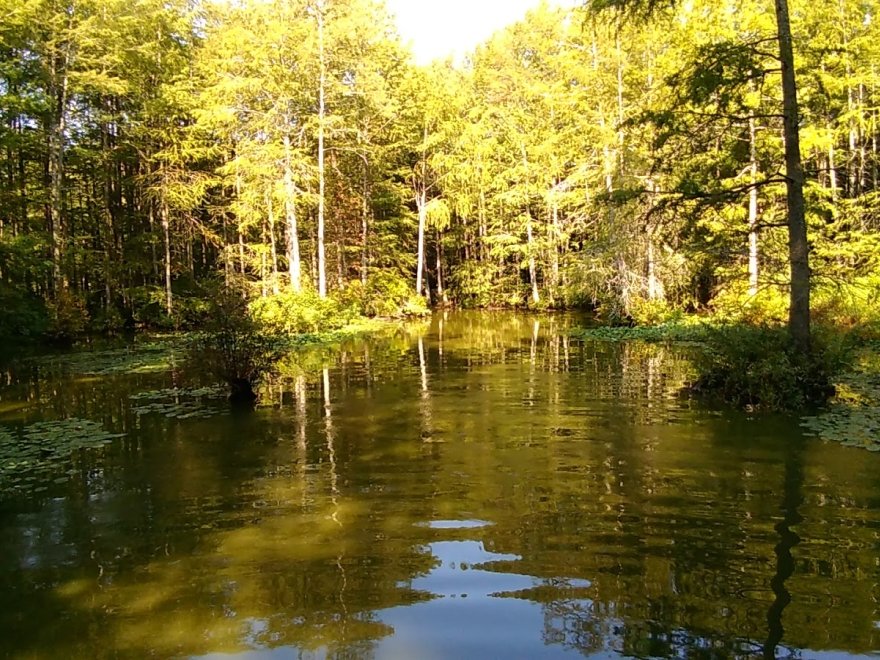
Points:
x=479, y=486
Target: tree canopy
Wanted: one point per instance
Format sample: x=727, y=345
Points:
x=633, y=160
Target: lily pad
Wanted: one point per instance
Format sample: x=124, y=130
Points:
x=180, y=403
x=149, y=357
x=853, y=418
x=34, y=455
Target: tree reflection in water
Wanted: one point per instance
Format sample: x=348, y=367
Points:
x=494, y=489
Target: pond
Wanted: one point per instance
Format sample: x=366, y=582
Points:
x=477, y=486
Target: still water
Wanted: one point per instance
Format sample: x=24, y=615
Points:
x=480, y=486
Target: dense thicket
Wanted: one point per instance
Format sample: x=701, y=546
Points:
x=149, y=148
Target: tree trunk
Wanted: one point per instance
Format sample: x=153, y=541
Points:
x=294, y=265
x=422, y=204
x=798, y=247
x=169, y=301
x=753, y=212
x=554, y=244
x=322, y=273
x=365, y=223
x=533, y=269
x=270, y=212
x=441, y=292
x=56, y=168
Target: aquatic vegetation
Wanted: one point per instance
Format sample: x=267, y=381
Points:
x=753, y=367
x=147, y=357
x=180, y=403
x=674, y=331
x=36, y=454
x=853, y=418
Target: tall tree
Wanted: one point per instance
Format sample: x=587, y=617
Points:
x=798, y=246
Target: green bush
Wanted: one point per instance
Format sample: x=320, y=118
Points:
x=68, y=317
x=148, y=307
x=769, y=306
x=757, y=368
x=386, y=294
x=234, y=347
x=473, y=284
x=294, y=313
x=24, y=315
x=652, y=312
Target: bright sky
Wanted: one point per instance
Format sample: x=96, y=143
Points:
x=437, y=28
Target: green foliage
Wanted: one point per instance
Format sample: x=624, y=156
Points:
x=768, y=307
x=68, y=317
x=234, y=347
x=386, y=295
x=24, y=315
x=148, y=307
x=294, y=313
x=107, y=321
x=652, y=312
x=757, y=368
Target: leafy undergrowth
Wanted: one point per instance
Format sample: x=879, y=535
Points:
x=853, y=417
x=750, y=366
x=36, y=455
x=688, y=330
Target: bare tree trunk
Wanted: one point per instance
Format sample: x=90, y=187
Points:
x=241, y=262
x=798, y=247
x=441, y=292
x=270, y=211
x=832, y=170
x=655, y=288
x=226, y=265
x=264, y=291
x=322, y=273
x=294, y=265
x=533, y=269
x=166, y=229
x=421, y=188
x=554, y=244
x=56, y=165
x=422, y=204
x=620, y=107
x=365, y=223
x=753, y=212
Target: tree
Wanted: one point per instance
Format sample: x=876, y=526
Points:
x=798, y=250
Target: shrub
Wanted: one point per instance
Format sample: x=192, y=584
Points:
x=652, y=312
x=68, y=317
x=235, y=348
x=768, y=306
x=473, y=284
x=757, y=368
x=24, y=315
x=294, y=313
x=386, y=294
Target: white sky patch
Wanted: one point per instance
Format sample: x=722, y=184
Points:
x=440, y=28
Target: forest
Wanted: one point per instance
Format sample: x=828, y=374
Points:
x=568, y=346
x=153, y=153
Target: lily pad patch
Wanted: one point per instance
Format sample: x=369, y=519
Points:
x=37, y=454
x=180, y=403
